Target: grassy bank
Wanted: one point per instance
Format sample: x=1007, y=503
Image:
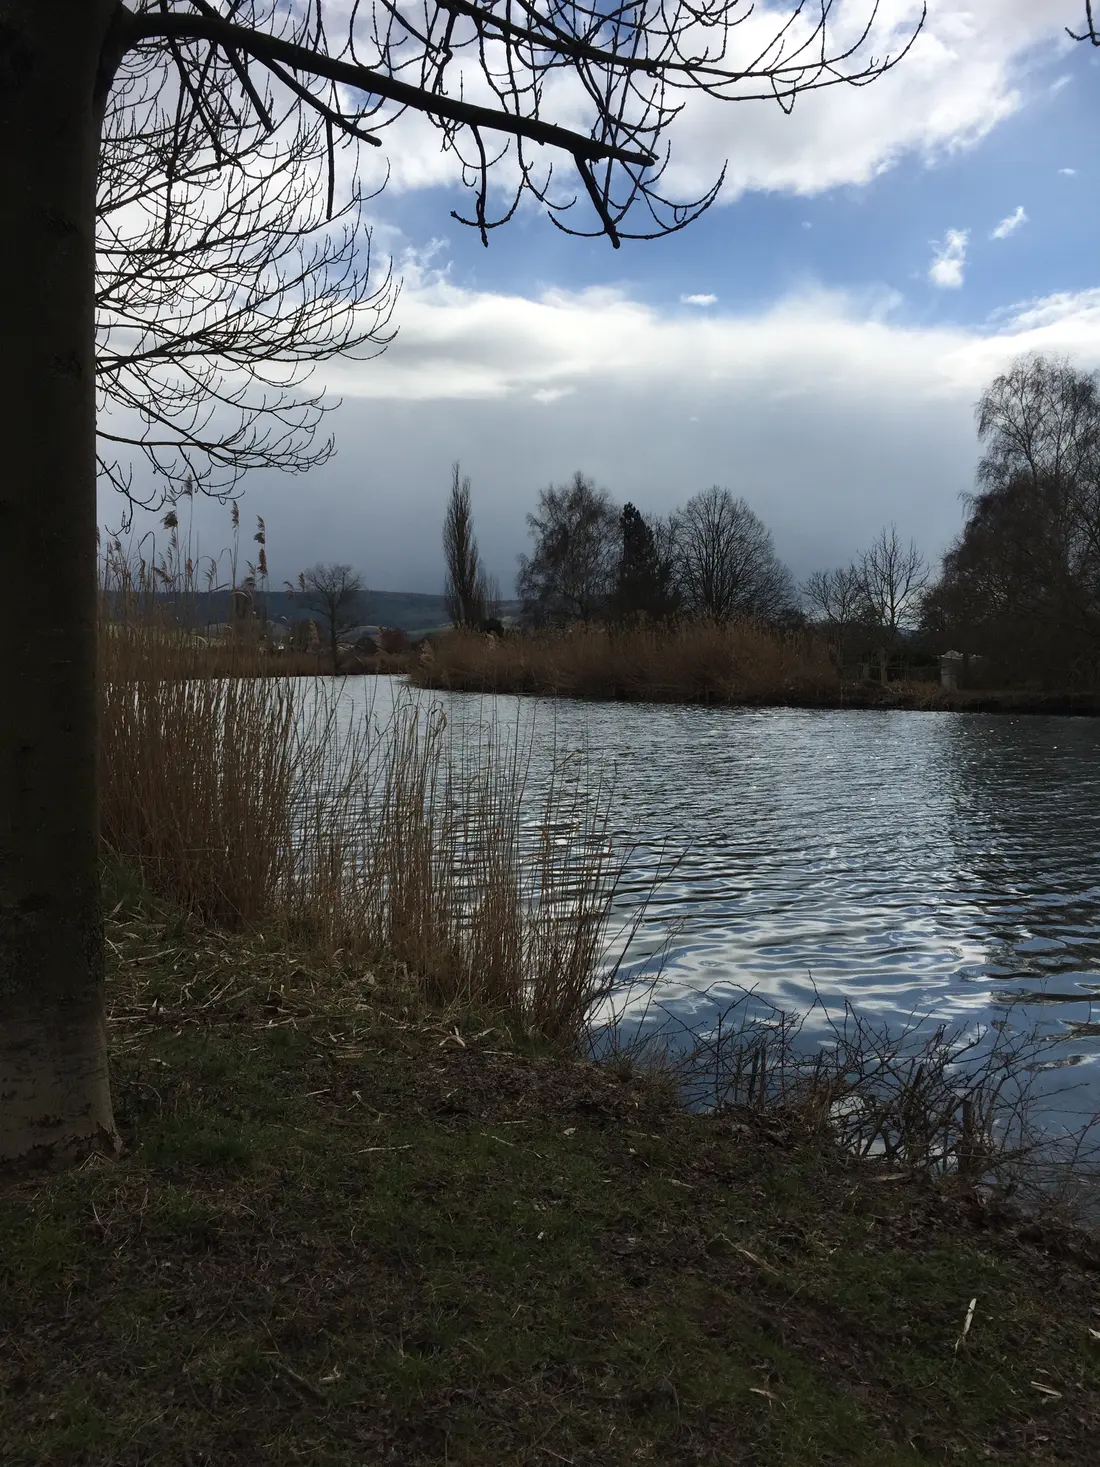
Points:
x=245, y=654
x=930, y=697
x=228, y=661
x=374, y=1208
x=354, y=1227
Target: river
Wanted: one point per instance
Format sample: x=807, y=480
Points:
x=920, y=866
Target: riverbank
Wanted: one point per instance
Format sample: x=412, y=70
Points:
x=691, y=662
x=735, y=666
x=920, y=697
x=229, y=661
x=350, y=1227
x=928, y=697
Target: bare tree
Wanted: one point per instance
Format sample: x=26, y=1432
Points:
x=494, y=603
x=60, y=60
x=465, y=591
x=835, y=599
x=570, y=573
x=335, y=594
x=220, y=288
x=892, y=580
x=727, y=563
x=1040, y=420
x=1039, y=424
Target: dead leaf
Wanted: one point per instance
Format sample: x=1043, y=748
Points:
x=760, y=1391
x=758, y=1261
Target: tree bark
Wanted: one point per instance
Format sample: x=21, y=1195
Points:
x=55, y=1100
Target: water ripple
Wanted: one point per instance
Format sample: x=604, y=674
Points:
x=905, y=862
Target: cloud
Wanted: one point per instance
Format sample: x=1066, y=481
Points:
x=1069, y=172
x=463, y=345
x=698, y=300
x=547, y=395
x=949, y=261
x=1011, y=223
x=962, y=77
x=832, y=413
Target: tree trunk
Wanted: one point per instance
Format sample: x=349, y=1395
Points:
x=55, y=1101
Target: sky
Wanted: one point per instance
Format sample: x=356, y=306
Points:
x=815, y=342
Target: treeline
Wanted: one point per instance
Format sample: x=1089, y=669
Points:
x=1020, y=586
x=596, y=562
x=711, y=562
x=1017, y=594
x=869, y=610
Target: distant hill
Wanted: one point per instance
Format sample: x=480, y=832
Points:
x=412, y=611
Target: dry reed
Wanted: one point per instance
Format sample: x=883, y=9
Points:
x=250, y=801
x=690, y=661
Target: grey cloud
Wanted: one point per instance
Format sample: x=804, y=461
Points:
x=829, y=421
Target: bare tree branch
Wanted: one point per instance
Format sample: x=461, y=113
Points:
x=269, y=49
x=1093, y=32
x=221, y=282
x=622, y=65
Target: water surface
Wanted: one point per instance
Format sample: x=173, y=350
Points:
x=943, y=865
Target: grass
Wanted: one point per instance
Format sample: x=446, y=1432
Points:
x=354, y=1226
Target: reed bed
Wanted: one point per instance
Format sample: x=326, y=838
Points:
x=251, y=802
x=700, y=661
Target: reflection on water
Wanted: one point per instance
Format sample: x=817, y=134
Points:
x=912, y=863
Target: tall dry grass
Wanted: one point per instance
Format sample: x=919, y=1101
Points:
x=689, y=662
x=254, y=801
